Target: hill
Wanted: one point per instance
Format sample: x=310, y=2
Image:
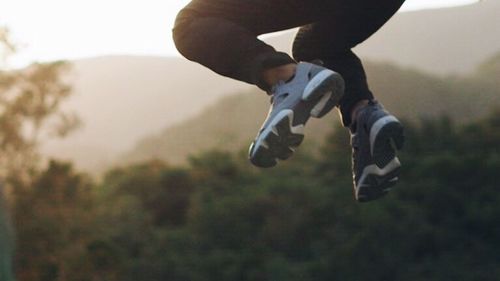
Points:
x=121, y=99
x=233, y=122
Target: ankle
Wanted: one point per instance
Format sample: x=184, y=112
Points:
x=354, y=111
x=280, y=73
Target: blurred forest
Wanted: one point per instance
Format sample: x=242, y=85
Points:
x=29, y=110
x=218, y=218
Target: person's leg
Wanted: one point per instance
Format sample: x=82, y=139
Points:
x=346, y=24
x=222, y=34
x=375, y=133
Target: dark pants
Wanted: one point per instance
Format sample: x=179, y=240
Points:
x=222, y=35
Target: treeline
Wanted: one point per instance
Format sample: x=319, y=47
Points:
x=221, y=219
x=30, y=101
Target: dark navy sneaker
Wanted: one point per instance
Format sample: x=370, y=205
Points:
x=313, y=91
x=375, y=137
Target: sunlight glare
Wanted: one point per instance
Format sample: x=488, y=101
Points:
x=71, y=29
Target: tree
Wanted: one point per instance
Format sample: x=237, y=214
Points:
x=6, y=246
x=30, y=101
x=52, y=218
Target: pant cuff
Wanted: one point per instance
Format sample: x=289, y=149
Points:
x=266, y=61
x=347, y=106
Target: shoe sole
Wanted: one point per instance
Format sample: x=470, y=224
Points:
x=286, y=130
x=377, y=185
x=385, y=140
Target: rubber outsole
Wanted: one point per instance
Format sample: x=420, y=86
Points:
x=377, y=186
x=389, y=139
x=285, y=132
x=278, y=143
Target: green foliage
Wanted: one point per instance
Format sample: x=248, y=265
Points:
x=6, y=247
x=30, y=101
x=220, y=219
x=51, y=217
x=30, y=110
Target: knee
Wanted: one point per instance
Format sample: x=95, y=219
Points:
x=181, y=32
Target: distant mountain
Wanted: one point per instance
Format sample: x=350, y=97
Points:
x=228, y=125
x=121, y=99
x=233, y=122
x=442, y=41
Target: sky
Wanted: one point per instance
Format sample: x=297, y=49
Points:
x=47, y=30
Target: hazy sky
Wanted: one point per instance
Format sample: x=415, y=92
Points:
x=68, y=29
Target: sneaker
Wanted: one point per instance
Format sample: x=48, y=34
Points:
x=313, y=91
x=375, y=137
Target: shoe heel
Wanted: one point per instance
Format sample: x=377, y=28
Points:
x=320, y=84
x=328, y=94
x=397, y=136
x=388, y=141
